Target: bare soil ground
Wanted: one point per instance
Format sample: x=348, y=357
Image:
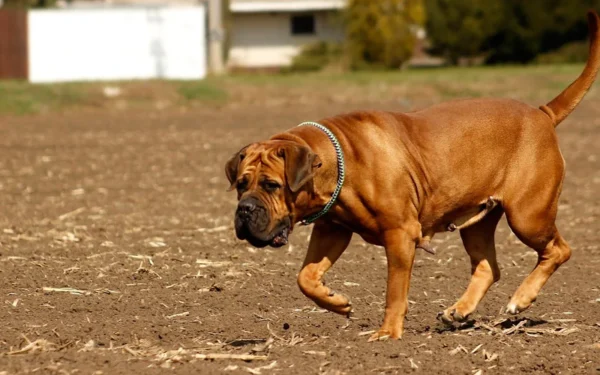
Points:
x=117, y=256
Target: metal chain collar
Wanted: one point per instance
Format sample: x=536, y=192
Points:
x=341, y=172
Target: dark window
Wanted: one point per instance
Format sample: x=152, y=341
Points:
x=303, y=25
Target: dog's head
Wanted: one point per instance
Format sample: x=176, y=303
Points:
x=270, y=178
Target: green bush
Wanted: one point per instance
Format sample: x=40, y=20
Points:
x=460, y=28
x=573, y=52
x=317, y=56
x=505, y=31
x=381, y=33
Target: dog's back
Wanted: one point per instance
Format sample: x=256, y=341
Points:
x=499, y=145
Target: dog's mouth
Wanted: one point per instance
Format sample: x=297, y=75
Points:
x=277, y=238
x=280, y=238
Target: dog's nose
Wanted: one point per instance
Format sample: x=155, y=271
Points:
x=246, y=208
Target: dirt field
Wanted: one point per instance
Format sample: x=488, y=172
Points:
x=129, y=209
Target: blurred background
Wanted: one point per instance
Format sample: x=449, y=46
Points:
x=53, y=41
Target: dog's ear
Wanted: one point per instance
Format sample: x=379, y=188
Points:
x=232, y=167
x=300, y=165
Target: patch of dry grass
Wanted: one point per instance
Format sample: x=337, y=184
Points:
x=407, y=86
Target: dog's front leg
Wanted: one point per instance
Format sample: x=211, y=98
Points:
x=400, y=251
x=327, y=242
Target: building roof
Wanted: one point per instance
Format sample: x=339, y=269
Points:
x=236, y=6
x=123, y=3
x=254, y=6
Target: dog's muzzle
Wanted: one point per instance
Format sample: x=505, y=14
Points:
x=252, y=222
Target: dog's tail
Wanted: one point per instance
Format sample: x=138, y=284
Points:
x=561, y=106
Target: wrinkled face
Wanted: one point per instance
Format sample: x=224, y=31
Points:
x=268, y=176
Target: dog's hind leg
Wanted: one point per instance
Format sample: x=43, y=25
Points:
x=532, y=218
x=552, y=251
x=478, y=240
x=327, y=242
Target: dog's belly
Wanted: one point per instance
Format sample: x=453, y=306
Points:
x=443, y=218
x=367, y=233
x=370, y=238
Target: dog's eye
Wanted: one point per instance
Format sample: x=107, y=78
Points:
x=271, y=185
x=242, y=184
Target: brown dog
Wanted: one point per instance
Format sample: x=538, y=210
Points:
x=459, y=165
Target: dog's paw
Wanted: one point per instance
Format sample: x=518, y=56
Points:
x=341, y=304
x=511, y=309
x=516, y=306
x=452, y=315
x=337, y=303
x=514, y=309
x=386, y=334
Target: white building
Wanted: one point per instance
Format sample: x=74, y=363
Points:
x=101, y=42
x=269, y=33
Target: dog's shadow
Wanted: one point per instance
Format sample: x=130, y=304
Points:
x=503, y=325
